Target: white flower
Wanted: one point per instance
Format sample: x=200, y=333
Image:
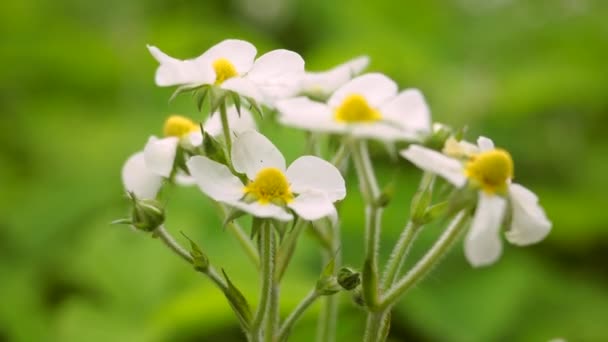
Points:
x=144, y=171
x=309, y=186
x=490, y=170
x=230, y=65
x=322, y=84
x=367, y=107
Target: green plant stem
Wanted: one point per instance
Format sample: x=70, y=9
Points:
x=246, y=243
x=327, y=322
x=399, y=254
x=287, y=248
x=173, y=245
x=376, y=326
x=272, y=319
x=373, y=213
x=267, y=274
x=428, y=261
x=226, y=130
x=289, y=322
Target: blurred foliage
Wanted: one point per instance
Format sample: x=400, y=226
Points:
x=77, y=98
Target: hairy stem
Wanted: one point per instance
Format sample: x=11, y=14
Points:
x=312, y=296
x=267, y=274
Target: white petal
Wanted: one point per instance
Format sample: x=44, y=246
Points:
x=485, y=144
x=375, y=87
x=324, y=83
x=435, y=162
x=312, y=205
x=172, y=71
x=239, y=52
x=244, y=87
x=160, y=155
x=138, y=179
x=301, y=112
x=238, y=124
x=276, y=64
x=195, y=138
x=482, y=245
x=277, y=74
x=309, y=173
x=409, y=110
x=529, y=223
x=384, y=131
x=262, y=210
x=252, y=151
x=215, y=179
x=183, y=179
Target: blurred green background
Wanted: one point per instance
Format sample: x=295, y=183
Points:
x=77, y=98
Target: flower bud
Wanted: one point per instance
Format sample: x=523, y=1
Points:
x=348, y=278
x=147, y=214
x=438, y=137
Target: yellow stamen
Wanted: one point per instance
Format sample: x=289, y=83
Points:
x=491, y=170
x=179, y=126
x=270, y=186
x=355, y=109
x=224, y=70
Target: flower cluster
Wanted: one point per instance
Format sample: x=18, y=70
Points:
x=242, y=170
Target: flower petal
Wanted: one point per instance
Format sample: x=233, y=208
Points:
x=408, y=110
x=262, y=210
x=277, y=74
x=375, y=87
x=215, y=179
x=238, y=124
x=309, y=173
x=239, y=52
x=160, y=154
x=172, y=71
x=529, y=223
x=312, y=205
x=251, y=152
x=324, y=83
x=304, y=113
x=435, y=162
x=244, y=87
x=138, y=179
x=482, y=245
x=485, y=144
x=383, y=131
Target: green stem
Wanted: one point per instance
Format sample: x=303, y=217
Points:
x=288, y=247
x=326, y=331
x=246, y=243
x=226, y=130
x=369, y=188
x=267, y=273
x=170, y=242
x=376, y=328
x=297, y=312
x=428, y=261
x=272, y=319
x=399, y=253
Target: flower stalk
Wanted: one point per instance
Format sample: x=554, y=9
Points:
x=266, y=288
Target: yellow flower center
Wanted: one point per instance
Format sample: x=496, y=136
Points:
x=270, y=185
x=223, y=70
x=491, y=170
x=355, y=109
x=179, y=126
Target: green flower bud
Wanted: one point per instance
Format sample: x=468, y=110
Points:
x=147, y=214
x=348, y=278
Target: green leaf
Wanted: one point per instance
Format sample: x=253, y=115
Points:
x=236, y=98
x=201, y=95
x=199, y=259
x=238, y=302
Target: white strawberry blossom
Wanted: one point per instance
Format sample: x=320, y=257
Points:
x=490, y=170
x=368, y=106
x=230, y=65
x=309, y=186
